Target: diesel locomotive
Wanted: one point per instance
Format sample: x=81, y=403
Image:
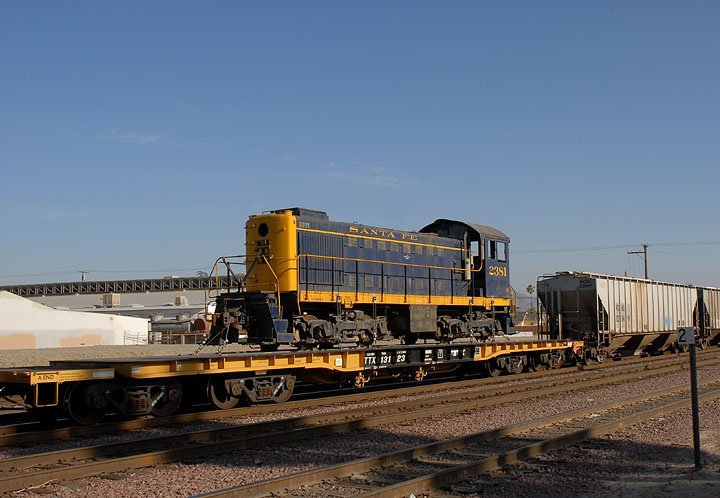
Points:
x=315, y=283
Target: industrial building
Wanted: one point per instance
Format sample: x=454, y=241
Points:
x=126, y=311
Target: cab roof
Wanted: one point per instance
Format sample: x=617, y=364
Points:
x=457, y=230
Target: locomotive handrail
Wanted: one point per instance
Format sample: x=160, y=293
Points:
x=460, y=270
x=228, y=264
x=382, y=263
x=277, y=280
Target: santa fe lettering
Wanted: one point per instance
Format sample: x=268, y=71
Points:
x=381, y=233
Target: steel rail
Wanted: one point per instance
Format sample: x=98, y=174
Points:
x=441, y=478
x=249, y=436
x=508, y=394
x=14, y=435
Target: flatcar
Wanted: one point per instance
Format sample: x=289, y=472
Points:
x=316, y=283
x=88, y=390
x=624, y=315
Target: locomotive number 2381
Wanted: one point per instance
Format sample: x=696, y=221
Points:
x=497, y=271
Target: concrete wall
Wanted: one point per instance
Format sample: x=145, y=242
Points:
x=25, y=324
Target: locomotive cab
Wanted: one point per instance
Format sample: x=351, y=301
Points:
x=486, y=266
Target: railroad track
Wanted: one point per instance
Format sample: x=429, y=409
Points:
x=33, y=470
x=451, y=466
x=28, y=433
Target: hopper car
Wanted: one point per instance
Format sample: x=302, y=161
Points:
x=623, y=315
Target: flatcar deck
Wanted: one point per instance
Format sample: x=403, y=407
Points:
x=352, y=360
x=54, y=373
x=89, y=388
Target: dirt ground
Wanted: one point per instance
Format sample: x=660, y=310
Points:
x=677, y=477
x=653, y=459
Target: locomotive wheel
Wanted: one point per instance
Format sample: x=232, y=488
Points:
x=78, y=406
x=219, y=396
x=410, y=339
x=283, y=388
x=169, y=398
x=365, y=338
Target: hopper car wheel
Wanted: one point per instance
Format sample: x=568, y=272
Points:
x=219, y=396
x=167, y=399
x=703, y=343
x=81, y=405
x=283, y=389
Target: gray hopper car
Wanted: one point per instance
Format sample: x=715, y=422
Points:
x=623, y=315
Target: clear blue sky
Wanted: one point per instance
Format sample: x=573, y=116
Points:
x=137, y=137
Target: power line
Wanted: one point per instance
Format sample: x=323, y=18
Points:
x=623, y=246
x=670, y=244
x=572, y=249
x=72, y=272
x=644, y=253
x=40, y=274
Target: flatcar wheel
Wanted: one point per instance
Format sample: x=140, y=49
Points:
x=219, y=396
x=537, y=365
x=78, y=405
x=492, y=369
x=45, y=414
x=166, y=399
x=283, y=388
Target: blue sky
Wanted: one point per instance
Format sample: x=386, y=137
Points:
x=137, y=137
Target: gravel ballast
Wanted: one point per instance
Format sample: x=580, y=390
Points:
x=651, y=460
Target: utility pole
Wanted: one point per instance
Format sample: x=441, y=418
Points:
x=644, y=253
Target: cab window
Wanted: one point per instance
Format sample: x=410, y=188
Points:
x=498, y=250
x=502, y=251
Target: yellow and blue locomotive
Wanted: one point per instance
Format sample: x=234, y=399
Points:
x=312, y=282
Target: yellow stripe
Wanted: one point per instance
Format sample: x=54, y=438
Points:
x=378, y=238
x=367, y=298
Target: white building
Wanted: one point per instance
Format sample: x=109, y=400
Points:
x=25, y=324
